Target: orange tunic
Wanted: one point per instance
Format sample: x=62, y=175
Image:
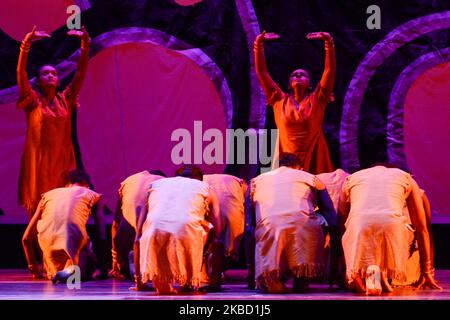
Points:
x=49, y=152
x=300, y=129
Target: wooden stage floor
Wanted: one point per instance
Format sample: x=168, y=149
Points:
x=17, y=285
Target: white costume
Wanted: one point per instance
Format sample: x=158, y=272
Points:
x=230, y=192
x=61, y=229
x=171, y=245
x=289, y=235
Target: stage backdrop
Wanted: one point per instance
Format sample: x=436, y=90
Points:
x=158, y=66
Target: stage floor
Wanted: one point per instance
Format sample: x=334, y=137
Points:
x=17, y=285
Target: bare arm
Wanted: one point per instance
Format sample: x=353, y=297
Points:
x=325, y=203
x=244, y=187
x=268, y=85
x=329, y=73
x=419, y=221
x=21, y=71
x=77, y=81
x=217, y=246
x=329, y=213
x=249, y=238
x=115, y=272
x=28, y=238
x=142, y=216
x=427, y=208
x=214, y=213
x=344, y=209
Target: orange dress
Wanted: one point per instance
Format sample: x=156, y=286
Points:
x=300, y=129
x=49, y=152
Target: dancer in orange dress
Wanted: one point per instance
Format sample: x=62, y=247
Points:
x=49, y=153
x=299, y=113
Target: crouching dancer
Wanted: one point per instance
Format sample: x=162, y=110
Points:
x=171, y=234
x=60, y=226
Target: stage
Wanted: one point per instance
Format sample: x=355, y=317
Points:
x=17, y=285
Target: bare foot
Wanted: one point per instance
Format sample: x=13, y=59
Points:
x=164, y=288
x=277, y=288
x=385, y=284
x=358, y=285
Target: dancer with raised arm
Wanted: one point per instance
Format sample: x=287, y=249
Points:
x=299, y=113
x=49, y=152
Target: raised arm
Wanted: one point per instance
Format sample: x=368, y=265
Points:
x=77, y=81
x=329, y=73
x=269, y=86
x=419, y=221
x=28, y=238
x=21, y=71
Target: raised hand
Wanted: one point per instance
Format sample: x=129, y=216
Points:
x=324, y=36
x=267, y=36
x=35, y=35
x=83, y=34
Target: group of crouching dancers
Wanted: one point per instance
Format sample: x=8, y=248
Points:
x=367, y=232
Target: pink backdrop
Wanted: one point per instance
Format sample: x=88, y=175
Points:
x=17, y=17
x=426, y=134
x=133, y=97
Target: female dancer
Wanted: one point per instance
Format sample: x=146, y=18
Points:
x=49, y=152
x=299, y=112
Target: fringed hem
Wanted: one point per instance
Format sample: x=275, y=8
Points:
x=390, y=273
x=180, y=279
x=309, y=271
